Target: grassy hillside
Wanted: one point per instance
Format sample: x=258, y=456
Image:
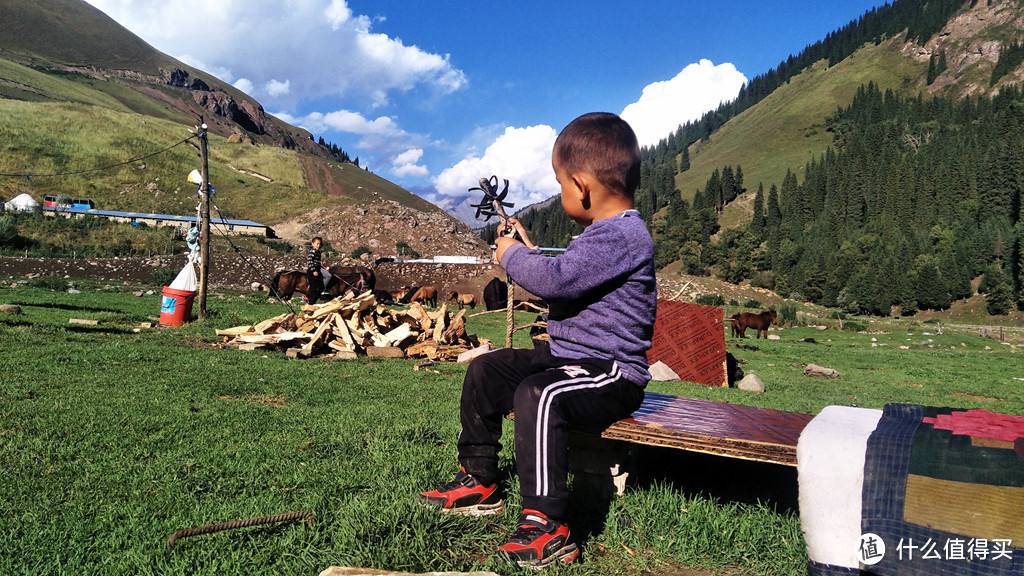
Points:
x=787, y=129
x=92, y=143
x=76, y=34
x=87, y=110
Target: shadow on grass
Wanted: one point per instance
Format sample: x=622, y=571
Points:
x=16, y=323
x=73, y=307
x=728, y=479
x=97, y=329
x=56, y=329
x=693, y=474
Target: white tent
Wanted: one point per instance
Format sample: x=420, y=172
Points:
x=22, y=202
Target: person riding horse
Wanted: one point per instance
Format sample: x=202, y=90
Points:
x=313, y=265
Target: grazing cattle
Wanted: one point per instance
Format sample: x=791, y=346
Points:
x=463, y=300
x=383, y=297
x=759, y=322
x=425, y=294
x=496, y=294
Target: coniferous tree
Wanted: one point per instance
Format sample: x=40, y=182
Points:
x=999, y=300
x=773, y=212
x=757, y=221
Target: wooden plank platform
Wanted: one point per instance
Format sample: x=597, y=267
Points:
x=711, y=427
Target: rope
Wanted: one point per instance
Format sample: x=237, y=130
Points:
x=239, y=524
x=510, y=314
x=28, y=176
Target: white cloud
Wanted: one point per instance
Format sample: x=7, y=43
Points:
x=405, y=165
x=665, y=105
x=319, y=45
x=345, y=121
x=521, y=155
x=276, y=88
x=245, y=85
x=382, y=137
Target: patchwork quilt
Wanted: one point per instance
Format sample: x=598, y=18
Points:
x=942, y=492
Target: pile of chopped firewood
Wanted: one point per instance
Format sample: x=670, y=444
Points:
x=352, y=325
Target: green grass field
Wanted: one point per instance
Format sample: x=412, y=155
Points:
x=113, y=437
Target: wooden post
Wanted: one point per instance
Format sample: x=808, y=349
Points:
x=204, y=224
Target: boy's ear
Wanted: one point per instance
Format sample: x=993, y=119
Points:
x=582, y=181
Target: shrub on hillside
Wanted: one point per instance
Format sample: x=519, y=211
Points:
x=752, y=304
x=711, y=300
x=49, y=283
x=786, y=314
x=764, y=279
x=163, y=276
x=850, y=326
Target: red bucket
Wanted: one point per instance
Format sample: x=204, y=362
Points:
x=176, y=306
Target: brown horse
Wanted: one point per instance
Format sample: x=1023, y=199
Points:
x=398, y=296
x=343, y=278
x=426, y=295
x=759, y=322
x=288, y=282
x=463, y=300
x=359, y=279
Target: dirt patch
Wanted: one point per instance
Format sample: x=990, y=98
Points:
x=978, y=398
x=321, y=179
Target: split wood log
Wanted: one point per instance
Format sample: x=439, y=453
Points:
x=358, y=324
x=237, y=330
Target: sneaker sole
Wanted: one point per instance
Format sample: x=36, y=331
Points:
x=476, y=509
x=567, y=555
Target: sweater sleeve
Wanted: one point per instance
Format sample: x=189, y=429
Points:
x=591, y=260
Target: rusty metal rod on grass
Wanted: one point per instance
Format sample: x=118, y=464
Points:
x=209, y=528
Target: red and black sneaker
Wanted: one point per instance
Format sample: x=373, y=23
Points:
x=539, y=542
x=465, y=496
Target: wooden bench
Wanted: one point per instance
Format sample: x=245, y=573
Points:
x=706, y=426
x=711, y=427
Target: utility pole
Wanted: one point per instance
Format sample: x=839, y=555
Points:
x=204, y=217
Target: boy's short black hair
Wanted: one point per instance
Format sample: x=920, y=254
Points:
x=604, y=144
x=315, y=238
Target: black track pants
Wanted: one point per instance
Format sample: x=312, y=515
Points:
x=316, y=284
x=548, y=395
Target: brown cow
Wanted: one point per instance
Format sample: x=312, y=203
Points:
x=425, y=294
x=463, y=300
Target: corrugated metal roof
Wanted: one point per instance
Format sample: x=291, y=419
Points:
x=151, y=215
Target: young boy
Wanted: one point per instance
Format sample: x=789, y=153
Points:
x=313, y=265
x=603, y=299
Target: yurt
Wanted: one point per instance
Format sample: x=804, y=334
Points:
x=22, y=202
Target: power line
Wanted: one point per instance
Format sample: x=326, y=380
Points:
x=238, y=251
x=28, y=176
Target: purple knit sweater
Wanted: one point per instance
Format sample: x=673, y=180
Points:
x=601, y=292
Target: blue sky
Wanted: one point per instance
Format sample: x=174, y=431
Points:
x=434, y=95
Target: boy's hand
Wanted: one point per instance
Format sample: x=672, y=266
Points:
x=503, y=243
x=516, y=225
